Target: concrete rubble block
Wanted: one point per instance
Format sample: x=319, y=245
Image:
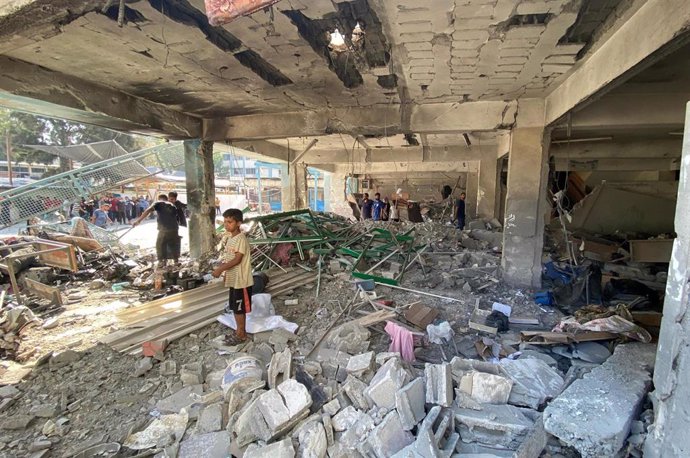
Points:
x=58, y=360
x=328, y=428
x=486, y=388
x=297, y=398
x=409, y=402
x=533, y=381
x=280, y=368
x=355, y=390
x=382, y=358
x=281, y=449
x=45, y=410
x=338, y=450
x=350, y=337
x=210, y=419
x=182, y=398
x=436, y=436
x=359, y=364
x=594, y=414
x=215, y=444
x=539, y=355
x=16, y=422
x=332, y=407
x=168, y=367
x=388, y=380
x=312, y=441
x=465, y=401
x=143, y=366
x=250, y=425
x=494, y=425
x=9, y=391
x=439, y=384
x=192, y=374
x=591, y=352
x=273, y=409
x=389, y=437
x=346, y=418
x=356, y=434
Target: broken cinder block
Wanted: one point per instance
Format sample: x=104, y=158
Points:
x=439, y=384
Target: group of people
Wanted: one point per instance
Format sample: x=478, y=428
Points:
x=121, y=209
x=377, y=209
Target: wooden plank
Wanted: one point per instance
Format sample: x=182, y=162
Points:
x=64, y=259
x=376, y=317
x=46, y=292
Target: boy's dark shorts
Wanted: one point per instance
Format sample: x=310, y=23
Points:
x=239, y=301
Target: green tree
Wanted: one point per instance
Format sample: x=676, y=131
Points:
x=220, y=168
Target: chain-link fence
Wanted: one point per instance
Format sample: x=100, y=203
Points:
x=50, y=194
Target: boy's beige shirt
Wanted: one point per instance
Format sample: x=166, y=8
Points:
x=239, y=276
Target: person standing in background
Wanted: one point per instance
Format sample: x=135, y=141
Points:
x=460, y=211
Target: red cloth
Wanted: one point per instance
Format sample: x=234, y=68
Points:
x=402, y=341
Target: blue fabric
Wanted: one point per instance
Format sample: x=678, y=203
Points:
x=377, y=209
x=101, y=217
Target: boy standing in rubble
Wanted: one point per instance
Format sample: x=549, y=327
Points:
x=236, y=265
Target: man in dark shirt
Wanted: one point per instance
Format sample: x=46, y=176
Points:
x=367, y=204
x=181, y=207
x=460, y=211
x=168, y=241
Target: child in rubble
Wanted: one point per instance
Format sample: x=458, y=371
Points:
x=236, y=265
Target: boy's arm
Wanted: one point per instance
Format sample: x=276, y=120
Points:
x=218, y=271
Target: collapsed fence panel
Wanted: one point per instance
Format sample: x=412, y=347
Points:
x=49, y=194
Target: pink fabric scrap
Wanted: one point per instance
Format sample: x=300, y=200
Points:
x=402, y=341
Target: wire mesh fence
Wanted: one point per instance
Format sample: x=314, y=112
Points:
x=50, y=194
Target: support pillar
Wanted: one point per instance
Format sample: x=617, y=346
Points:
x=201, y=195
x=285, y=195
x=526, y=204
x=486, y=196
x=471, y=192
x=297, y=188
x=669, y=436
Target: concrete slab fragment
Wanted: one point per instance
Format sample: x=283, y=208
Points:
x=494, y=425
x=387, y=381
x=594, y=414
x=439, y=384
x=409, y=402
x=211, y=445
x=534, y=381
x=389, y=437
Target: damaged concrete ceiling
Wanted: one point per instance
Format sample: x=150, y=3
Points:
x=421, y=74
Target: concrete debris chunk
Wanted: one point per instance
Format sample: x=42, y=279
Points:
x=312, y=441
x=143, y=366
x=494, y=425
x=436, y=436
x=296, y=396
x=273, y=409
x=280, y=368
x=251, y=425
x=168, y=367
x=192, y=374
x=388, y=380
x=360, y=364
x=486, y=388
x=409, y=402
x=17, y=422
x=210, y=419
x=439, y=384
x=389, y=437
x=182, y=398
x=45, y=410
x=215, y=444
x=328, y=428
x=332, y=407
x=350, y=337
x=591, y=352
x=594, y=413
x=281, y=449
x=355, y=390
x=9, y=391
x=354, y=437
x=533, y=381
x=347, y=417
x=58, y=360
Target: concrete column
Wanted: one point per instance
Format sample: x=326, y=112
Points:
x=526, y=205
x=297, y=196
x=285, y=195
x=201, y=195
x=471, y=196
x=486, y=196
x=669, y=437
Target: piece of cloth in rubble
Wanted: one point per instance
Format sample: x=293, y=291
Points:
x=402, y=341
